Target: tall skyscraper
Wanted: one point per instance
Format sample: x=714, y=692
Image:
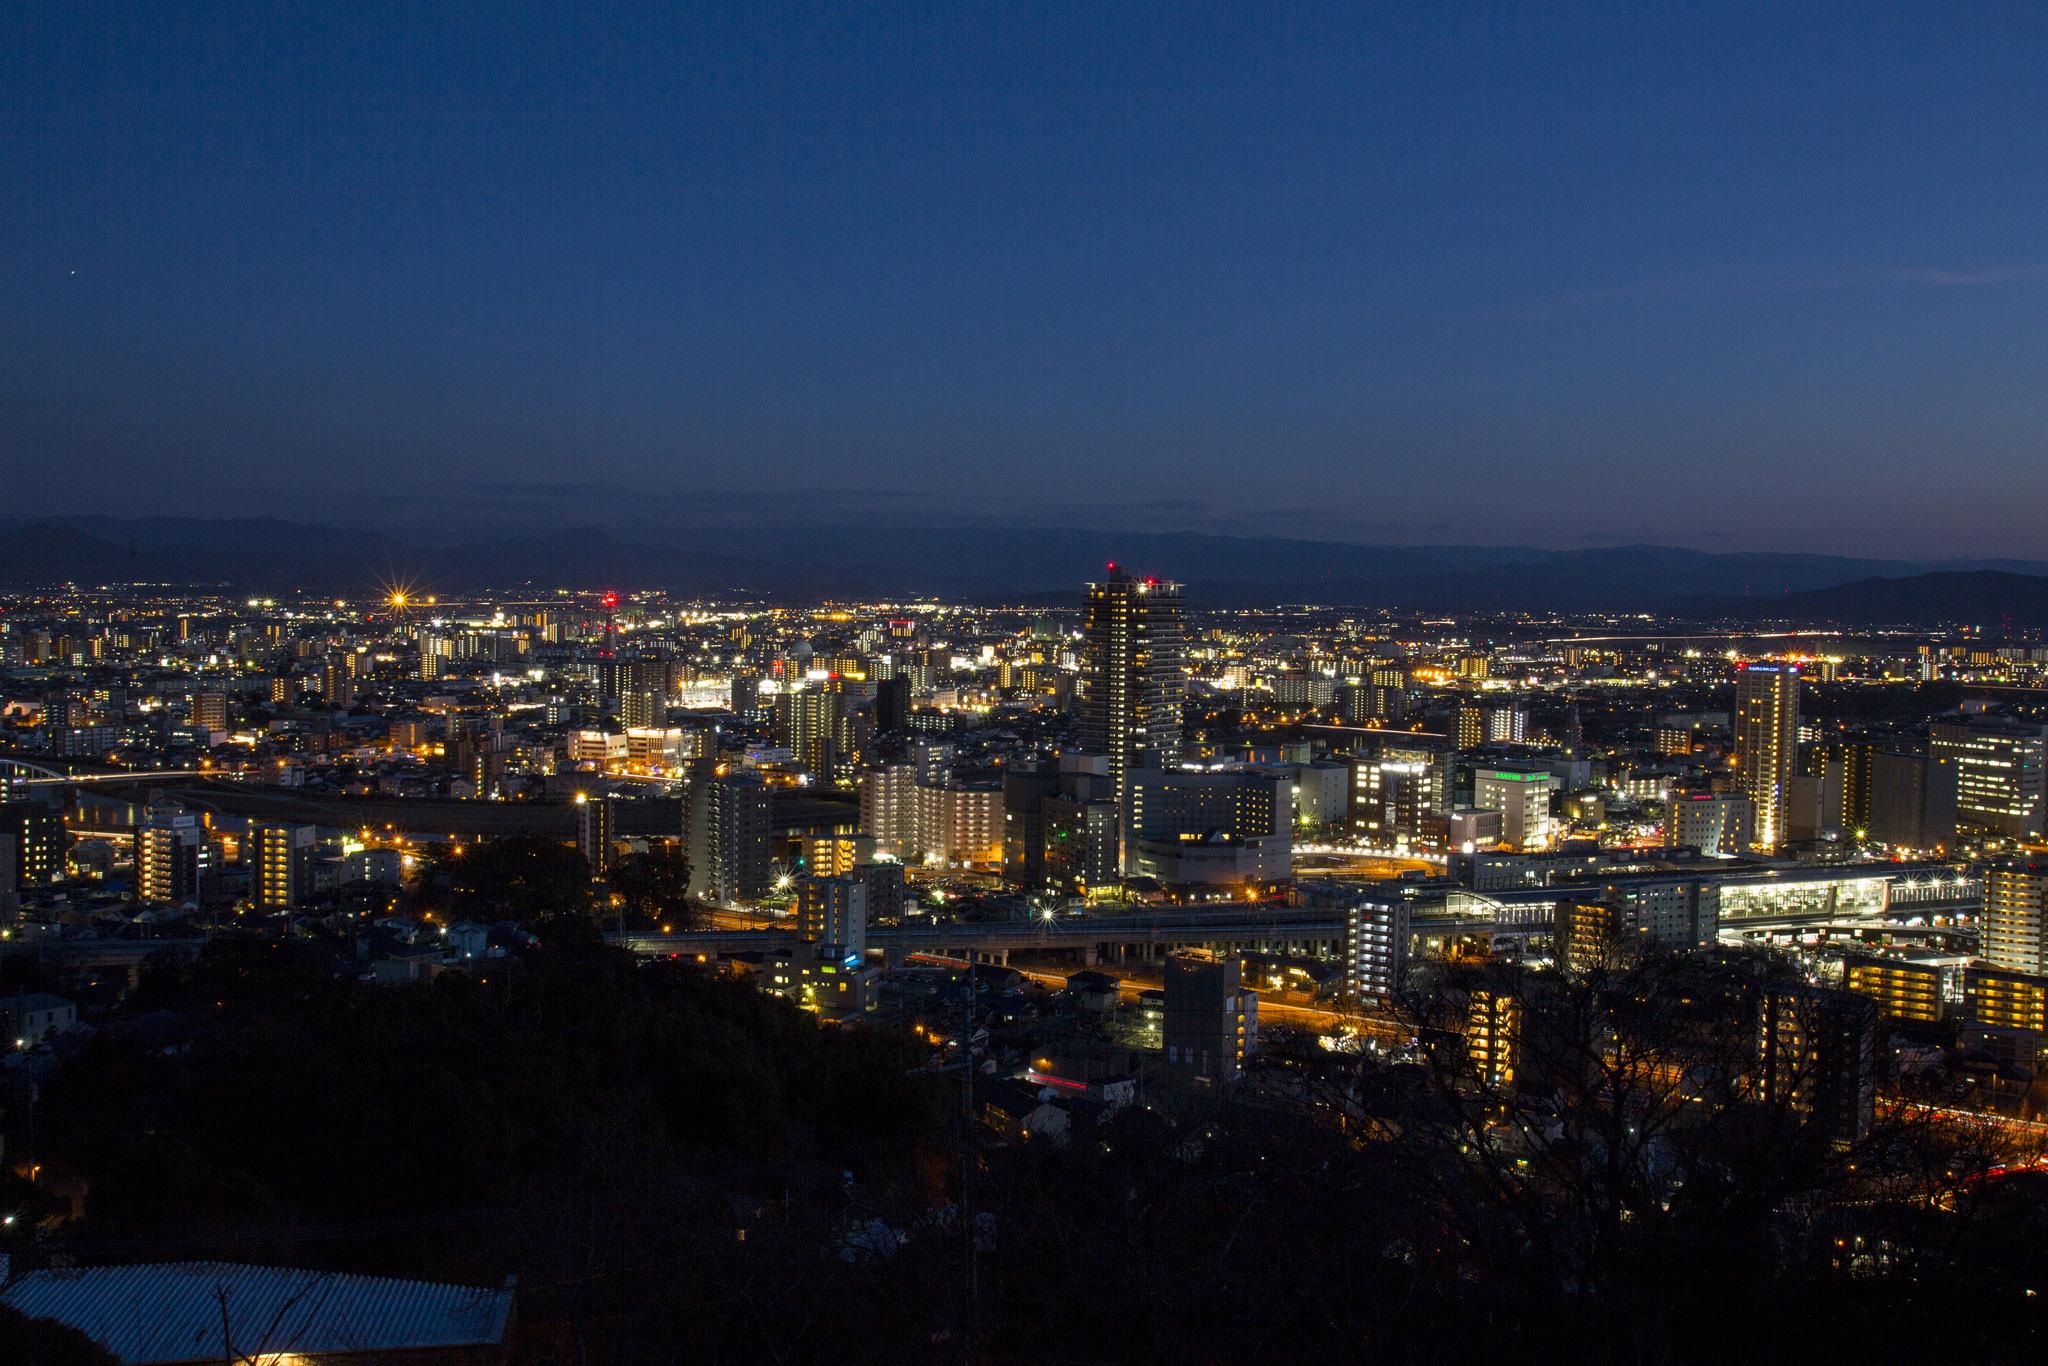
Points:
x=1136, y=682
x=1767, y=743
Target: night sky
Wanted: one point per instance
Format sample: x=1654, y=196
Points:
x=1771, y=278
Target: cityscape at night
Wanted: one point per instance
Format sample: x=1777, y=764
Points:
x=1046, y=686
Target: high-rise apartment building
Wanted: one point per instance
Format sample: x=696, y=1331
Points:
x=1767, y=744
x=1846, y=773
x=888, y=809
x=2016, y=915
x=832, y=913
x=1081, y=843
x=645, y=686
x=210, y=711
x=595, y=831
x=960, y=824
x=38, y=838
x=726, y=831
x=338, y=678
x=1904, y=988
x=169, y=854
x=280, y=859
x=1817, y=1056
x=1025, y=788
x=1135, y=674
x=1376, y=933
x=806, y=720
x=1507, y=723
x=827, y=971
x=1468, y=726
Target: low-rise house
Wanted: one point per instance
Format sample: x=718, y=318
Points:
x=29, y=1019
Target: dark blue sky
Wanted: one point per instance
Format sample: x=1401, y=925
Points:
x=1768, y=277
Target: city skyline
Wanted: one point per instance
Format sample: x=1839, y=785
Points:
x=913, y=683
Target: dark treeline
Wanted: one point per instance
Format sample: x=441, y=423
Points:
x=678, y=1168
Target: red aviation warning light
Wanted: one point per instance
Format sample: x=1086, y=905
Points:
x=610, y=600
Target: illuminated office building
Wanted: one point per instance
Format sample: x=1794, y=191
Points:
x=2001, y=774
x=1522, y=796
x=1718, y=824
x=1187, y=829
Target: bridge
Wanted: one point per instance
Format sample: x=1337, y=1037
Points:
x=21, y=771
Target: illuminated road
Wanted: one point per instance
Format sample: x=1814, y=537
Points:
x=1314, y=1019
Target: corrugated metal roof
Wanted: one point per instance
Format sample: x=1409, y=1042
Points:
x=172, y=1311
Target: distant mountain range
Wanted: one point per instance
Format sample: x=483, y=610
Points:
x=1019, y=564
x=1996, y=599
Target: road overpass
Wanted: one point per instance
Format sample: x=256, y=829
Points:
x=1277, y=929
x=1508, y=922
x=1313, y=932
